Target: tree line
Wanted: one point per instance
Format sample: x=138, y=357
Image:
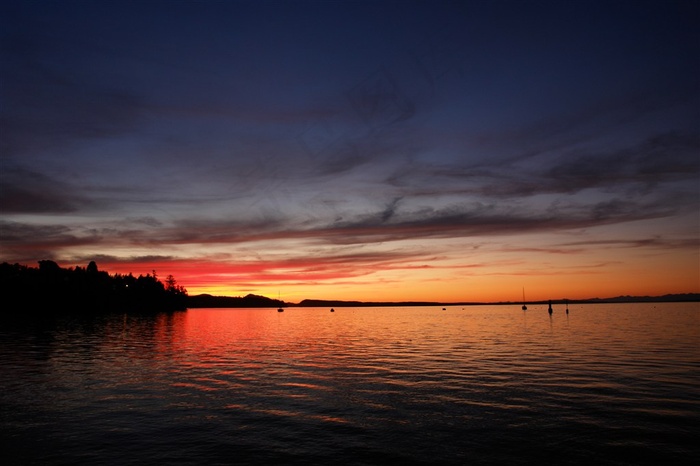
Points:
x=51, y=289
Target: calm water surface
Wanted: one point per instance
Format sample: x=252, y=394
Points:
x=607, y=384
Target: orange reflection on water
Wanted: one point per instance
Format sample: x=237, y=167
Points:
x=460, y=354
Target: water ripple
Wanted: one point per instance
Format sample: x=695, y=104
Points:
x=479, y=385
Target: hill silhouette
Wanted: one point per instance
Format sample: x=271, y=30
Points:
x=683, y=297
x=250, y=300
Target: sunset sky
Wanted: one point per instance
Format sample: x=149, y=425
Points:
x=357, y=150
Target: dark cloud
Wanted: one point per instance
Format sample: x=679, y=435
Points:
x=656, y=242
x=29, y=191
x=657, y=166
x=393, y=224
x=109, y=259
x=390, y=210
x=27, y=243
x=659, y=159
x=487, y=220
x=47, y=106
x=14, y=232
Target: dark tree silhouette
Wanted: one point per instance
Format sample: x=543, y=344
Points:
x=51, y=289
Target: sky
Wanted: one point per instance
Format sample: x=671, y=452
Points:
x=450, y=151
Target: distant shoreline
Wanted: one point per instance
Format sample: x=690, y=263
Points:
x=209, y=301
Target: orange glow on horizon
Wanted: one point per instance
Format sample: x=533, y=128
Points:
x=407, y=282
x=445, y=271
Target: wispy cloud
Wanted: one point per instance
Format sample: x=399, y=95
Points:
x=31, y=191
x=348, y=146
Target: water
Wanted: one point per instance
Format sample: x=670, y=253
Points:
x=607, y=384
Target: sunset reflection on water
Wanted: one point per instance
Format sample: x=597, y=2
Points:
x=480, y=383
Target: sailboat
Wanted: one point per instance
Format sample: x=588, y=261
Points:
x=279, y=309
x=524, y=306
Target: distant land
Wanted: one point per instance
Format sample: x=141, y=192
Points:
x=209, y=301
x=50, y=289
x=251, y=300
